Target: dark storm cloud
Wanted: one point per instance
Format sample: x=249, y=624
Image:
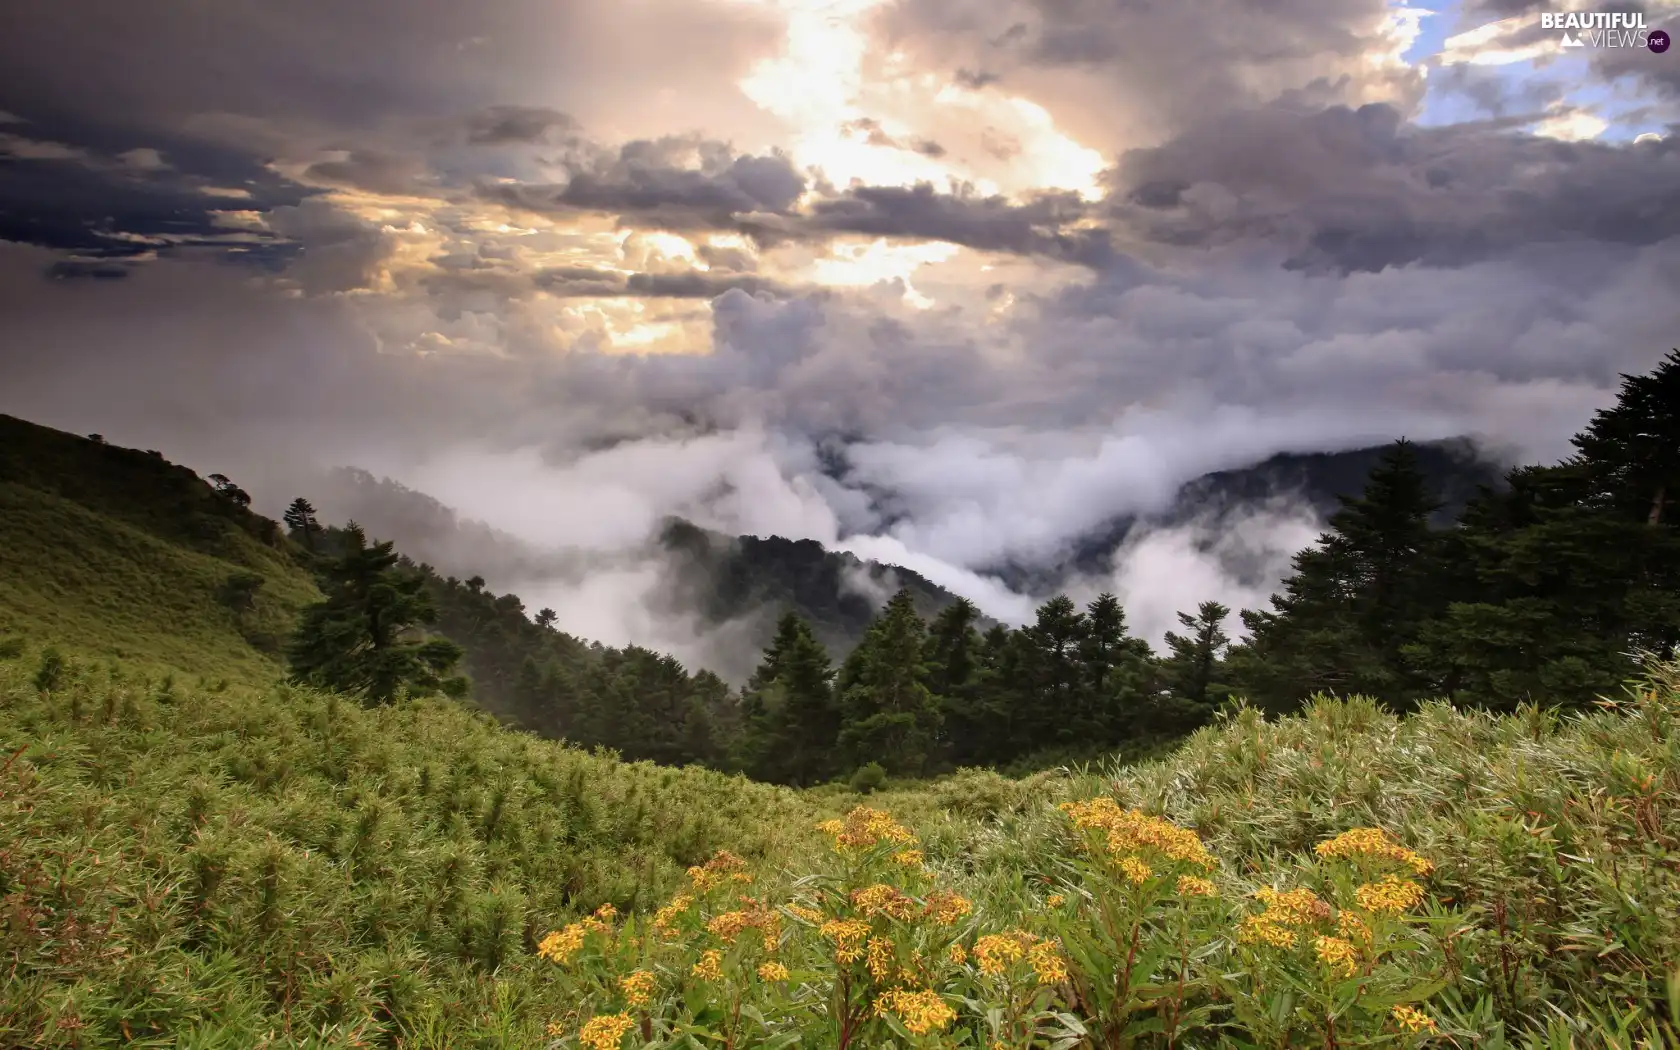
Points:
x=75, y=198
x=1358, y=190
x=379, y=171
x=1660, y=73
x=1043, y=225
x=500, y=125
x=658, y=184
x=684, y=181
x=349, y=96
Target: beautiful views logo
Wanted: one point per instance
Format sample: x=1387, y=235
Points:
x=1605, y=29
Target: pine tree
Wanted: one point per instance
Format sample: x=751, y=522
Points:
x=1554, y=582
x=790, y=717
x=953, y=661
x=1631, y=452
x=1347, y=617
x=1195, y=656
x=229, y=491
x=300, y=518
x=546, y=617
x=359, y=639
x=890, y=715
x=984, y=732
x=1054, y=698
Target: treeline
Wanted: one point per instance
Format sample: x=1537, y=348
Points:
x=915, y=697
x=1546, y=590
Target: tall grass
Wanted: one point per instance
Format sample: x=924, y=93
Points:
x=182, y=867
x=104, y=587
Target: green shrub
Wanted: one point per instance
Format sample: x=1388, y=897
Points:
x=867, y=778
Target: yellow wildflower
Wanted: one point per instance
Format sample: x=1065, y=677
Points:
x=606, y=913
x=1046, y=961
x=605, y=1031
x=1131, y=830
x=556, y=1029
x=1055, y=900
x=665, y=919
x=1353, y=928
x=1262, y=929
x=945, y=907
x=560, y=945
x=723, y=865
x=865, y=827
x=638, y=987
x=909, y=858
x=773, y=971
x=1135, y=870
x=994, y=952
x=881, y=899
x=1375, y=843
x=1338, y=955
x=848, y=936
x=1298, y=907
x=728, y=926
x=921, y=1012
x=1195, y=886
x=1391, y=896
x=710, y=966
x=957, y=954
x=880, y=958
x=1412, y=1019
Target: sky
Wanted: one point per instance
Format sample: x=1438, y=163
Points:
x=948, y=283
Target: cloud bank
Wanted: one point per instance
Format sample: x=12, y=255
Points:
x=944, y=283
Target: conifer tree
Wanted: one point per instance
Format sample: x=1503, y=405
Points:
x=1117, y=673
x=953, y=661
x=1631, y=451
x=890, y=714
x=300, y=518
x=360, y=638
x=1053, y=696
x=1195, y=656
x=1355, y=603
x=1572, y=568
x=790, y=717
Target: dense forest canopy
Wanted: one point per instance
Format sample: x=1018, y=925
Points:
x=1547, y=588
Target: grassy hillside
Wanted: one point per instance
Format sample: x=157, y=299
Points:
x=190, y=868
x=186, y=868
x=117, y=552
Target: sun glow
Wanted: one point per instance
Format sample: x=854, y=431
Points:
x=827, y=80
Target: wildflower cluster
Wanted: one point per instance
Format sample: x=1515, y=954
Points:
x=920, y=1011
x=605, y=1031
x=560, y=945
x=1375, y=844
x=723, y=865
x=877, y=952
x=753, y=915
x=865, y=827
x=1130, y=832
x=1356, y=933
x=1284, y=914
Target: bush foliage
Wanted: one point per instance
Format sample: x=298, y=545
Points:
x=236, y=869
